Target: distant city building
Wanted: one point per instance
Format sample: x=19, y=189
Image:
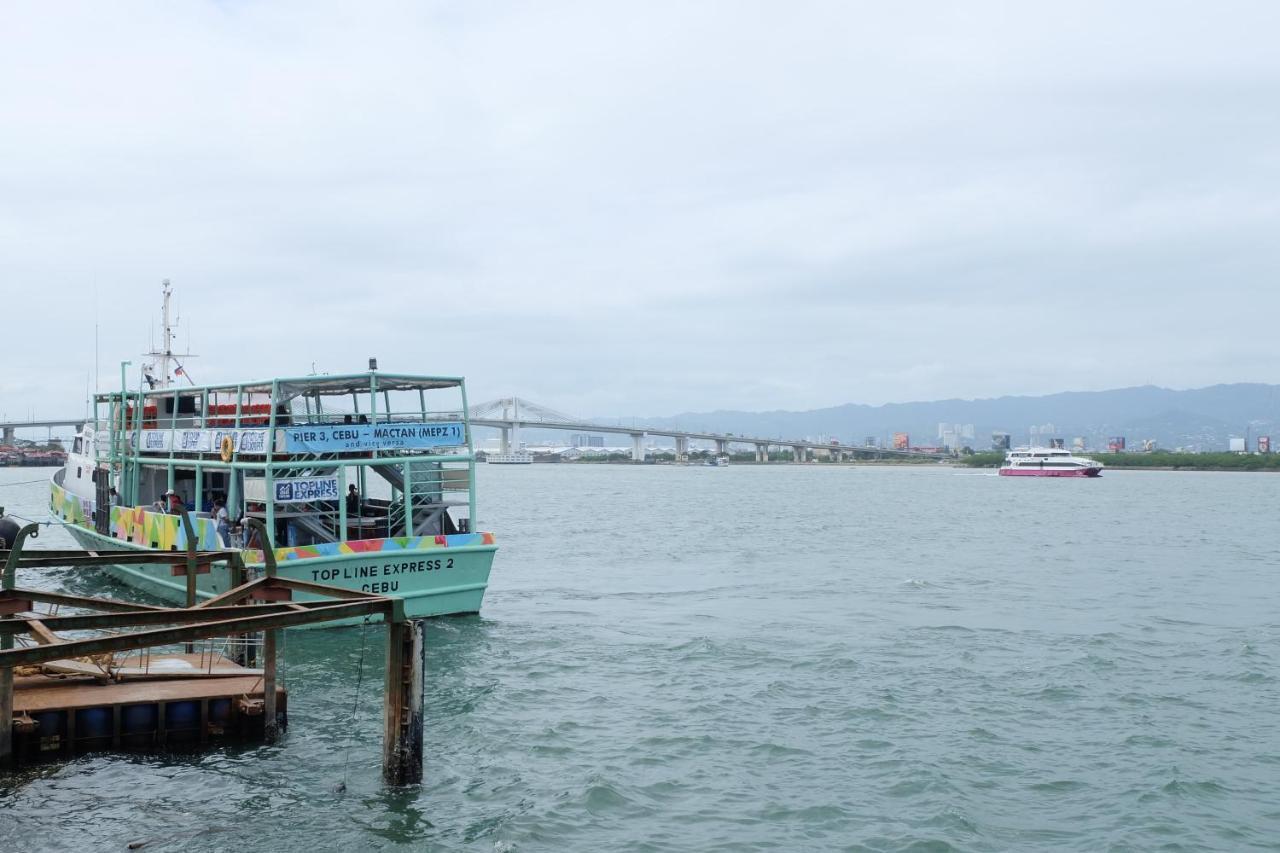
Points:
x=1077, y=443
x=869, y=441
x=952, y=435
x=1001, y=441
x=1039, y=434
x=901, y=441
x=1115, y=444
x=1058, y=443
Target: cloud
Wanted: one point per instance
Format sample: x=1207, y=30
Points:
x=645, y=209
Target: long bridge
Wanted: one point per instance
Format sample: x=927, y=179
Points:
x=511, y=414
x=8, y=429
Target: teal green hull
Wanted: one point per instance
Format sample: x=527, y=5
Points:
x=432, y=582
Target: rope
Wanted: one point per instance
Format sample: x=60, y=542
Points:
x=355, y=704
x=27, y=482
x=49, y=521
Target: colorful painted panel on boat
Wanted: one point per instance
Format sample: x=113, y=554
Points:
x=160, y=530
x=370, y=546
x=69, y=507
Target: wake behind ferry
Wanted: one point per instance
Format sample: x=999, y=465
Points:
x=364, y=481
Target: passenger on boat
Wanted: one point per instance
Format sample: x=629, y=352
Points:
x=221, y=520
x=175, y=505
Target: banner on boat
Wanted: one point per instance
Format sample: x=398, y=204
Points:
x=251, y=441
x=390, y=436
x=305, y=489
x=324, y=438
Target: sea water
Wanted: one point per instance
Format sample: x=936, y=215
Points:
x=776, y=657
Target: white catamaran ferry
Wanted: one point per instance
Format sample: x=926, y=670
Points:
x=365, y=481
x=1048, y=462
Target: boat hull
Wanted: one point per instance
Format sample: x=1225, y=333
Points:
x=435, y=575
x=1045, y=472
x=433, y=581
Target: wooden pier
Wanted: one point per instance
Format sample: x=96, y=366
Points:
x=73, y=694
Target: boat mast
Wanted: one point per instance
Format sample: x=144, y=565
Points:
x=164, y=354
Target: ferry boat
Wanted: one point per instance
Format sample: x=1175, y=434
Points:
x=364, y=481
x=515, y=457
x=721, y=461
x=1048, y=462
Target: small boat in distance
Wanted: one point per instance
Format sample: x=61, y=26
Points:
x=721, y=461
x=1048, y=462
x=516, y=457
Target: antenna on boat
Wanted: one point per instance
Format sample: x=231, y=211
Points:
x=97, y=381
x=164, y=354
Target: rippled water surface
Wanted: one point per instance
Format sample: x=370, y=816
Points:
x=784, y=657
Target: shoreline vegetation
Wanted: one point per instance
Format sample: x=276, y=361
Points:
x=1161, y=460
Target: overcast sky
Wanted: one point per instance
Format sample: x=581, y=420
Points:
x=645, y=208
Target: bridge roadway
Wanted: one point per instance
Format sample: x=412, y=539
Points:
x=510, y=428
x=8, y=428
x=800, y=449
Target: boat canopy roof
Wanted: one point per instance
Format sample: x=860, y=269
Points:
x=321, y=385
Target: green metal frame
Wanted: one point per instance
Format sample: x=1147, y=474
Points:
x=129, y=462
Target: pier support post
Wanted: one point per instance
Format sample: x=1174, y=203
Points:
x=270, y=723
x=6, y=642
x=505, y=446
x=797, y=453
x=6, y=714
x=722, y=447
x=402, y=704
x=9, y=435
x=762, y=453
x=637, y=447
x=682, y=449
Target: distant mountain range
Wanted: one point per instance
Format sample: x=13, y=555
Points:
x=1203, y=418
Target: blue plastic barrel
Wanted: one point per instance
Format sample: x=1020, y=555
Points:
x=220, y=711
x=182, y=715
x=138, y=719
x=50, y=723
x=93, y=723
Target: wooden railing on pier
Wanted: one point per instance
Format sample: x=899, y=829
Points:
x=265, y=604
